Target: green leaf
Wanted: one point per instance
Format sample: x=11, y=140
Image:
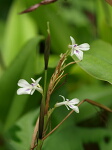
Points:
x=23, y=67
x=21, y=138
x=98, y=93
x=60, y=30
x=98, y=61
x=19, y=29
x=71, y=137
x=104, y=21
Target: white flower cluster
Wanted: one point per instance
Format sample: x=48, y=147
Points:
x=26, y=88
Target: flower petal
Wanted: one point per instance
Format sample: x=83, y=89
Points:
x=75, y=108
x=67, y=107
x=37, y=81
x=72, y=40
x=79, y=54
x=74, y=101
x=72, y=51
x=39, y=89
x=21, y=91
x=23, y=83
x=60, y=104
x=32, y=91
x=84, y=47
x=70, y=46
x=32, y=79
x=63, y=97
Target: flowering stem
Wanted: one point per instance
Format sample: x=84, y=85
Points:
x=42, y=108
x=53, y=80
x=61, y=121
x=85, y=100
x=58, y=125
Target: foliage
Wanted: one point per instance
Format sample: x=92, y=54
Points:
x=21, y=56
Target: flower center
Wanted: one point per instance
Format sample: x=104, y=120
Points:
x=32, y=84
x=77, y=51
x=75, y=45
x=28, y=89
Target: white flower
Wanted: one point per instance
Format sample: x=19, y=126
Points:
x=78, y=49
x=69, y=103
x=26, y=88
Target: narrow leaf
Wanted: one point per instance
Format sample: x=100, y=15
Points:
x=17, y=33
x=98, y=61
x=22, y=65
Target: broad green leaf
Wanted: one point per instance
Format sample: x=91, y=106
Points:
x=60, y=30
x=22, y=137
x=19, y=101
x=69, y=136
x=2, y=28
x=22, y=67
x=98, y=93
x=73, y=137
x=19, y=29
x=98, y=61
x=76, y=16
x=104, y=21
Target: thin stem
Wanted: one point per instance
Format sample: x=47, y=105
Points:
x=58, y=125
x=58, y=82
x=34, y=135
x=53, y=79
x=45, y=84
x=40, y=121
x=62, y=121
x=71, y=63
x=85, y=100
x=42, y=108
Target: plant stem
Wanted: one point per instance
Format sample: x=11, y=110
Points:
x=62, y=121
x=34, y=135
x=53, y=79
x=40, y=143
x=74, y=62
x=85, y=100
x=41, y=118
x=45, y=84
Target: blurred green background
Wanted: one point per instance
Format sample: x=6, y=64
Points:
x=22, y=39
